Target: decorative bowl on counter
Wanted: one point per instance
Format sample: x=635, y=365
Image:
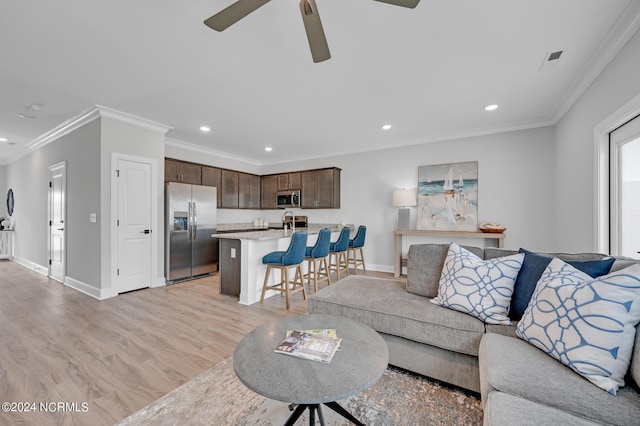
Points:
x=492, y=228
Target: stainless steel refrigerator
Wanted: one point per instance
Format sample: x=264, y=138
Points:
x=190, y=250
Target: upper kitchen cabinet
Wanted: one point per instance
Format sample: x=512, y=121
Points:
x=229, y=189
x=248, y=191
x=212, y=176
x=320, y=189
x=180, y=171
x=288, y=181
x=269, y=188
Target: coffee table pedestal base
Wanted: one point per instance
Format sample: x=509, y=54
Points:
x=318, y=407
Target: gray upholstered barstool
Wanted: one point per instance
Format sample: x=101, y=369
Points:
x=285, y=260
x=316, y=258
x=355, y=247
x=338, y=251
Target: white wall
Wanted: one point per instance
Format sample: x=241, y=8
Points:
x=29, y=177
x=575, y=153
x=515, y=188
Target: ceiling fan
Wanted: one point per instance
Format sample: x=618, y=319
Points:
x=312, y=24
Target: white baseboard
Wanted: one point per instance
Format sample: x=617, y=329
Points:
x=42, y=270
x=158, y=282
x=379, y=268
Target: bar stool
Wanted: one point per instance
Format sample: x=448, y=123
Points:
x=339, y=252
x=355, y=247
x=285, y=260
x=316, y=258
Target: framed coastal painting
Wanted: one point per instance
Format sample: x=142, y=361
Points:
x=448, y=197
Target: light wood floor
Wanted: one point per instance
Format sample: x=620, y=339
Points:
x=116, y=355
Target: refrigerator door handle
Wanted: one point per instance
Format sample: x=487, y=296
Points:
x=190, y=214
x=195, y=220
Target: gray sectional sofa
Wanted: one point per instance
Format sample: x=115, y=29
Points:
x=518, y=383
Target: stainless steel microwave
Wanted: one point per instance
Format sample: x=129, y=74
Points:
x=288, y=199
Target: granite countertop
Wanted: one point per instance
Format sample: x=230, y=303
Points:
x=273, y=234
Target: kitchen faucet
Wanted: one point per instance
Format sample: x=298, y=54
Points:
x=293, y=219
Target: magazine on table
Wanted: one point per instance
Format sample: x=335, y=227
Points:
x=315, y=345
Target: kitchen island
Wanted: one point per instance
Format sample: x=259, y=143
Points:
x=241, y=269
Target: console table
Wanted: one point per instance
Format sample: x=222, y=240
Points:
x=6, y=244
x=400, y=233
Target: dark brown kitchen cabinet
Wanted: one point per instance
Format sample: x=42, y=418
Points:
x=248, y=191
x=320, y=189
x=179, y=171
x=229, y=187
x=268, y=189
x=288, y=181
x=212, y=176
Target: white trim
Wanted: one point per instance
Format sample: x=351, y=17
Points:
x=115, y=157
x=205, y=150
x=626, y=26
x=42, y=270
x=132, y=119
x=601, y=166
x=84, y=117
x=83, y=287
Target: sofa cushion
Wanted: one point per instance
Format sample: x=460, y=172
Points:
x=515, y=367
x=387, y=307
x=481, y=288
x=634, y=368
x=424, y=267
x=586, y=323
x=503, y=409
x=532, y=268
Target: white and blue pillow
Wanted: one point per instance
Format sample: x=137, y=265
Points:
x=586, y=323
x=477, y=287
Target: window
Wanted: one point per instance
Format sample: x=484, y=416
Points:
x=624, y=191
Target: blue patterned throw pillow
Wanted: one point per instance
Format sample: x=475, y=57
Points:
x=586, y=323
x=477, y=287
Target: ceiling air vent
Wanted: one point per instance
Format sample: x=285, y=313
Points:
x=551, y=60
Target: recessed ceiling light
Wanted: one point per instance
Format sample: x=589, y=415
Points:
x=4, y=140
x=491, y=107
x=386, y=126
x=26, y=115
x=268, y=148
x=205, y=128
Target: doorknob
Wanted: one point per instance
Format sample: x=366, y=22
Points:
x=146, y=231
x=60, y=229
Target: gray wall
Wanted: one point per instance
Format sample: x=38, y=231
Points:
x=29, y=177
x=575, y=194
x=515, y=189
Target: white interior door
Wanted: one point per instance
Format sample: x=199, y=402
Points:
x=57, y=211
x=133, y=225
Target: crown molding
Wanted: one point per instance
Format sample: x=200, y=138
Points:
x=125, y=117
x=204, y=150
x=81, y=119
x=626, y=26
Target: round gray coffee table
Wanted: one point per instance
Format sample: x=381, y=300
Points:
x=360, y=362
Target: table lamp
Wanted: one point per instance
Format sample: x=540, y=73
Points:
x=404, y=198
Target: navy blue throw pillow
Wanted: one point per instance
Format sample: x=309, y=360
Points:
x=532, y=268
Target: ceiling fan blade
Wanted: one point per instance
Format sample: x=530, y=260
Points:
x=232, y=14
x=315, y=32
x=404, y=3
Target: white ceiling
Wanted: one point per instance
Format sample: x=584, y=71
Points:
x=428, y=71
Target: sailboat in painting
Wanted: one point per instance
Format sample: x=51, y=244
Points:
x=448, y=183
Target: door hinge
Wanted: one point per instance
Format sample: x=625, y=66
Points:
x=118, y=271
x=50, y=223
x=118, y=222
x=117, y=173
x=50, y=184
x=49, y=261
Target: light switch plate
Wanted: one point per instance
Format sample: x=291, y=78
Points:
x=93, y=218
x=233, y=253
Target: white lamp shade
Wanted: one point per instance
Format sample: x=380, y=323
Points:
x=404, y=197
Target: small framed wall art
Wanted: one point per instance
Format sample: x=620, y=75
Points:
x=448, y=197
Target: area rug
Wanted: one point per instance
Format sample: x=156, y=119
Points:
x=217, y=397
